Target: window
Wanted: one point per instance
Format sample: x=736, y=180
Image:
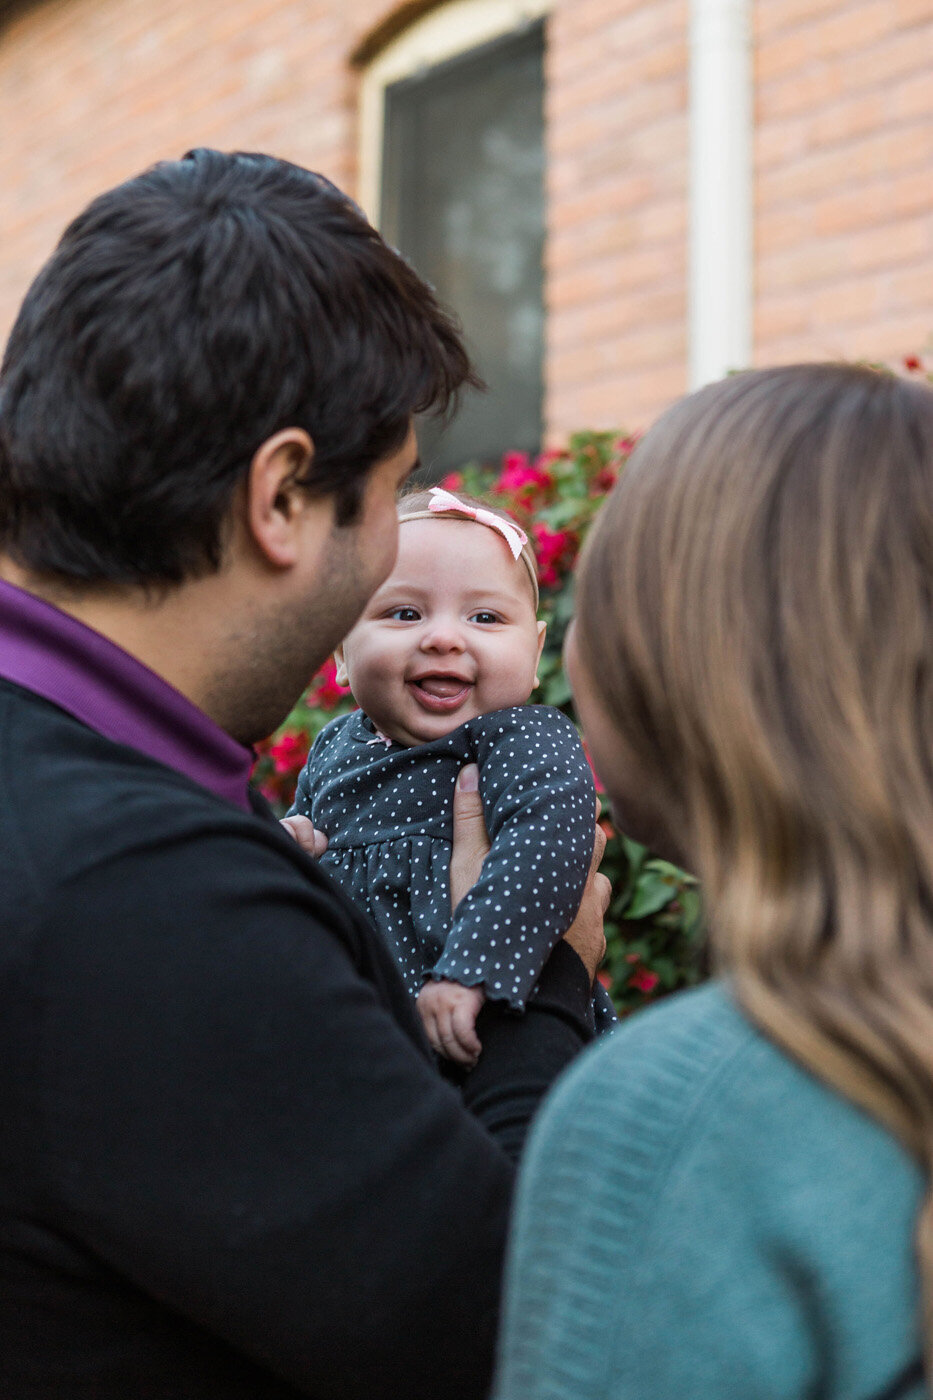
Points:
x=461, y=194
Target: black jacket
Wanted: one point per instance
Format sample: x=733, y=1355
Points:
x=228, y=1167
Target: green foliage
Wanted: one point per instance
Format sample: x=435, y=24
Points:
x=654, y=928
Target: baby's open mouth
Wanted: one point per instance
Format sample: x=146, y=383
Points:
x=440, y=692
x=443, y=686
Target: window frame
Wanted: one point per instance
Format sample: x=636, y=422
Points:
x=448, y=32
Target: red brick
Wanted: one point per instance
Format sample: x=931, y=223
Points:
x=908, y=13
x=910, y=290
x=855, y=26
x=778, y=142
x=839, y=121
x=779, y=317
x=855, y=299
x=891, y=245
x=902, y=51
x=913, y=96
x=772, y=18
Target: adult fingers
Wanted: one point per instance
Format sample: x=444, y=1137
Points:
x=585, y=935
x=470, y=837
x=599, y=848
x=311, y=840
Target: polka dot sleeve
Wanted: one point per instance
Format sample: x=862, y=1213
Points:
x=540, y=805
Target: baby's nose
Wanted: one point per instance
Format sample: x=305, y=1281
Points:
x=443, y=634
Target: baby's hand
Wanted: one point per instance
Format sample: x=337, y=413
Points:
x=311, y=841
x=449, y=1013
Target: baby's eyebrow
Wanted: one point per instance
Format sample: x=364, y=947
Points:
x=499, y=595
x=398, y=590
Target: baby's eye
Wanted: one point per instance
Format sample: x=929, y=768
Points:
x=404, y=614
x=485, y=616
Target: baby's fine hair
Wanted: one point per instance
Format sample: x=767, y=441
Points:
x=416, y=503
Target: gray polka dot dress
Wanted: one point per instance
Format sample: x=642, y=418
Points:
x=387, y=813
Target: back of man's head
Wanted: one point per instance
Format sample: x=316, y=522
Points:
x=185, y=317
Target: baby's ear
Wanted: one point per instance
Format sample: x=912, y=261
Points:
x=341, y=677
x=542, y=633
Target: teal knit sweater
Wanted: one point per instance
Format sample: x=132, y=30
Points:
x=699, y=1219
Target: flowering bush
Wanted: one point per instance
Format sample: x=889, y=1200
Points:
x=653, y=929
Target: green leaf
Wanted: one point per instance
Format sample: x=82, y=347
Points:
x=565, y=514
x=557, y=690
x=652, y=892
x=634, y=851
x=691, y=919
x=671, y=872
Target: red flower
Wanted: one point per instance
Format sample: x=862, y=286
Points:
x=643, y=980
x=553, y=548
x=598, y=785
x=452, y=481
x=605, y=979
x=545, y=460
x=325, y=691
x=289, y=752
x=605, y=479
x=913, y=362
x=523, y=479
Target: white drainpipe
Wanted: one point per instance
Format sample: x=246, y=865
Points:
x=720, y=292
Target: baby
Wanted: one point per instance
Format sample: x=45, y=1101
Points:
x=441, y=664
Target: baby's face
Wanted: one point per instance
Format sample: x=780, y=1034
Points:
x=451, y=634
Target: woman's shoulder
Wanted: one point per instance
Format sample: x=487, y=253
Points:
x=694, y=1074
x=655, y=1066
x=694, y=1209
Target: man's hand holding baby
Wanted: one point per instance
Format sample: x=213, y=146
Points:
x=449, y=1013
x=311, y=841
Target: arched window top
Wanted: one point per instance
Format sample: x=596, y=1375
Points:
x=452, y=171
x=437, y=32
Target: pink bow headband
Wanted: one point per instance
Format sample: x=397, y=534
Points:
x=445, y=503
x=515, y=538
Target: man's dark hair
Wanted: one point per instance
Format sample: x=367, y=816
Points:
x=185, y=317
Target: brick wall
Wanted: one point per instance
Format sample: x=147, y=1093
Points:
x=93, y=90
x=616, y=260
x=844, y=178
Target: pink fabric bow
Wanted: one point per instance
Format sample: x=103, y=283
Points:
x=514, y=536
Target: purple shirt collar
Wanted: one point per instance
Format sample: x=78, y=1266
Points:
x=54, y=655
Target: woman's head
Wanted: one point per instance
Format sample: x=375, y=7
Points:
x=755, y=648
x=755, y=620
x=756, y=632
x=453, y=632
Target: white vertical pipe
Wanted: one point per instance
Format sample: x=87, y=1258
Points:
x=720, y=293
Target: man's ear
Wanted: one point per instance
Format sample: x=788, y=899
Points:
x=342, y=676
x=275, y=501
x=542, y=633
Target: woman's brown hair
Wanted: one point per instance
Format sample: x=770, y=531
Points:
x=764, y=570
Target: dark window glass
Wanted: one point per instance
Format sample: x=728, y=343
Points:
x=463, y=199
